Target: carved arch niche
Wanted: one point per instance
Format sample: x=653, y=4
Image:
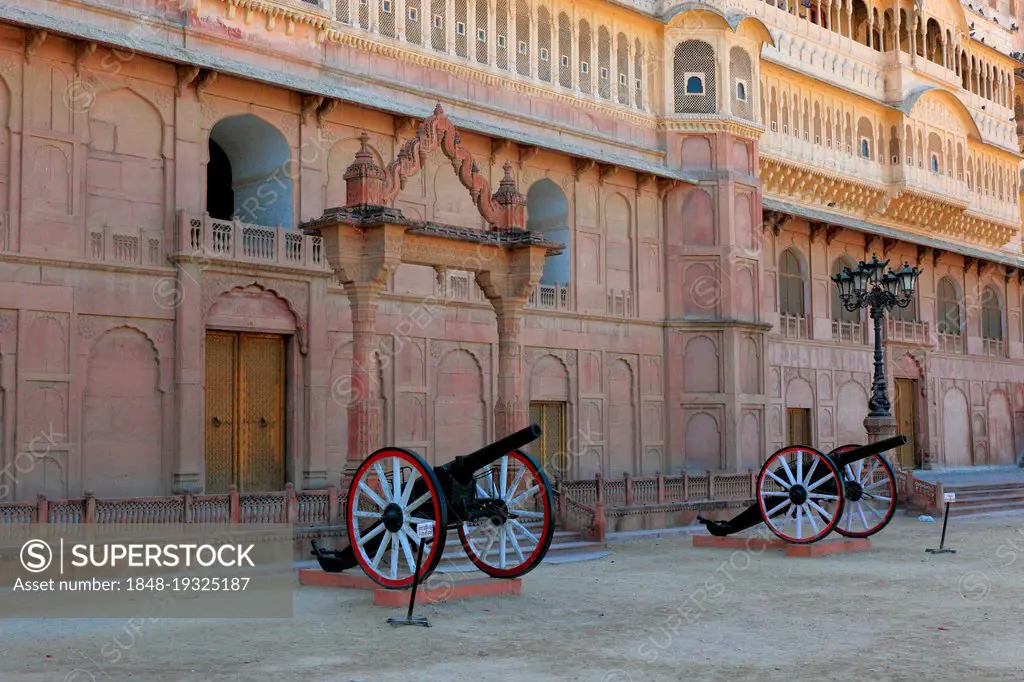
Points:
x=252, y=304
x=125, y=183
x=122, y=418
x=459, y=409
x=251, y=308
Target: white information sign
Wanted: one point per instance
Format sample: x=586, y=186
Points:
x=425, y=530
x=949, y=497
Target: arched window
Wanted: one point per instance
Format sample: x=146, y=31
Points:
x=950, y=310
x=991, y=315
x=840, y=313
x=547, y=212
x=934, y=164
x=791, y=284
x=865, y=148
x=741, y=91
x=248, y=175
x=694, y=84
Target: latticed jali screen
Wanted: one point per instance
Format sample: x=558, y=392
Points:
x=694, y=78
x=740, y=69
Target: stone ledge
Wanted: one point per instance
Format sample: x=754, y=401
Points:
x=821, y=548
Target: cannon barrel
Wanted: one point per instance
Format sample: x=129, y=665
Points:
x=865, y=451
x=463, y=467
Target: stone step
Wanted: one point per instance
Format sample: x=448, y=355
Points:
x=993, y=496
x=983, y=488
x=957, y=509
x=1017, y=500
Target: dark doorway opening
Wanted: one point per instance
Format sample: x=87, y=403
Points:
x=220, y=197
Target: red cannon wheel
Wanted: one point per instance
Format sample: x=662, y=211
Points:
x=514, y=546
x=392, y=491
x=870, y=495
x=799, y=493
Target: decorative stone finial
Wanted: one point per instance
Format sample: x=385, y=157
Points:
x=438, y=109
x=364, y=179
x=513, y=203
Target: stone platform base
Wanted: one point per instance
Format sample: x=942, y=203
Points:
x=820, y=548
x=440, y=588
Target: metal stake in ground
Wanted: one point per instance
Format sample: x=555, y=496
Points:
x=424, y=531
x=948, y=498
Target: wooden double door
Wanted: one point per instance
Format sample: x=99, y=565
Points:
x=245, y=411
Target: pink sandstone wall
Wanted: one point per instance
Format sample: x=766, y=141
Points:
x=664, y=360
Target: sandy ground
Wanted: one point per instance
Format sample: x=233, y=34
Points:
x=657, y=610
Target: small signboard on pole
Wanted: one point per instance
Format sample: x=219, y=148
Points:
x=948, y=498
x=425, y=530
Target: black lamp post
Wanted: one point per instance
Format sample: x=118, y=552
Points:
x=866, y=287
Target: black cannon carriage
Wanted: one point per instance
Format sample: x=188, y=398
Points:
x=498, y=500
x=804, y=494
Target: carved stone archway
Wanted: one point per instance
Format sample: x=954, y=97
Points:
x=366, y=240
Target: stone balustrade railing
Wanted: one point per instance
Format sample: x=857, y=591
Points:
x=582, y=504
x=550, y=297
x=951, y=343
x=794, y=327
x=125, y=245
x=206, y=237
x=995, y=348
x=848, y=332
x=287, y=506
x=908, y=331
x=621, y=303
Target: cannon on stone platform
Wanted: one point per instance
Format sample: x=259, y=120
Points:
x=804, y=494
x=497, y=498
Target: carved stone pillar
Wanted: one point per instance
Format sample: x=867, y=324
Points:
x=364, y=416
x=189, y=331
x=507, y=287
x=510, y=409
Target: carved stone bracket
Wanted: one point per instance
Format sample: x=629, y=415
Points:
x=581, y=167
x=34, y=39
x=499, y=146
x=936, y=255
x=325, y=109
x=772, y=221
x=645, y=179
x=969, y=262
x=83, y=50
x=666, y=185
x=1008, y=272
x=404, y=126
x=605, y=171
x=888, y=244
x=872, y=244
x=187, y=74
x=310, y=103
x=826, y=231
x=922, y=253
x=526, y=153
x=205, y=80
